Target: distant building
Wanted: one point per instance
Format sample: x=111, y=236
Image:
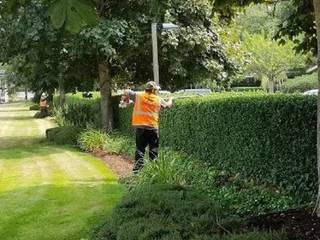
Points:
x=4, y=96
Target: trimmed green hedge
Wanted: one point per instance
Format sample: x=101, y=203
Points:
x=80, y=112
x=301, y=84
x=270, y=139
x=267, y=138
x=247, y=89
x=63, y=135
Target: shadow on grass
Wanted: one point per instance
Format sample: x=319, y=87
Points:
x=27, y=151
x=15, y=118
x=19, y=141
x=61, y=212
x=13, y=110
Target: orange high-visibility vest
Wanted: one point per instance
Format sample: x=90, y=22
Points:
x=43, y=104
x=146, y=110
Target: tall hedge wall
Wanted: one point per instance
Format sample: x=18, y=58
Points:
x=268, y=138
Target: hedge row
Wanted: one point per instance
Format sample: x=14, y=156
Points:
x=267, y=138
x=301, y=84
x=79, y=111
x=270, y=139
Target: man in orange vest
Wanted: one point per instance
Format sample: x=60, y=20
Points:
x=43, y=105
x=145, y=119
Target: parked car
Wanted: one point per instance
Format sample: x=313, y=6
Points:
x=311, y=92
x=195, y=91
x=164, y=92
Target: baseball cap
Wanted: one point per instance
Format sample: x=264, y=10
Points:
x=152, y=85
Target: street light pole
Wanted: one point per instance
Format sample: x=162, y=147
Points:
x=154, y=30
x=155, y=53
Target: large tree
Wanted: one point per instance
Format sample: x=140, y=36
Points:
x=121, y=42
x=316, y=4
x=269, y=59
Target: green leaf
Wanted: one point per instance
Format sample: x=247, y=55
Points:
x=73, y=14
x=58, y=13
x=74, y=22
x=86, y=11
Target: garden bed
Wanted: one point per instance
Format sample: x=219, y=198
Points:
x=120, y=165
x=299, y=224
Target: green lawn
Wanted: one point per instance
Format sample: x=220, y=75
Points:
x=48, y=192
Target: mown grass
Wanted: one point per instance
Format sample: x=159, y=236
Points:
x=48, y=192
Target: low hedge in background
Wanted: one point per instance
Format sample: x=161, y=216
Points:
x=247, y=89
x=270, y=139
x=78, y=111
x=63, y=135
x=301, y=84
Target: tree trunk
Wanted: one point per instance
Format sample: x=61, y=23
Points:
x=62, y=94
x=26, y=94
x=316, y=4
x=105, y=91
x=271, y=85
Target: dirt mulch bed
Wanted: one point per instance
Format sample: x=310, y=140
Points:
x=120, y=165
x=299, y=224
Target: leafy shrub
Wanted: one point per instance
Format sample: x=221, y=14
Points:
x=63, y=135
x=234, y=194
x=34, y=107
x=58, y=114
x=270, y=139
x=91, y=140
x=301, y=84
x=119, y=144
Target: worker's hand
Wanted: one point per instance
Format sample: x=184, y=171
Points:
x=126, y=91
x=125, y=98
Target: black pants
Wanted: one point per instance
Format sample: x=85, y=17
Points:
x=44, y=112
x=144, y=138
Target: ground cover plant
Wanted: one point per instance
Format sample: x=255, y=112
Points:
x=175, y=213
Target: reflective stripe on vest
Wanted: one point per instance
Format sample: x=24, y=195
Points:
x=146, y=110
